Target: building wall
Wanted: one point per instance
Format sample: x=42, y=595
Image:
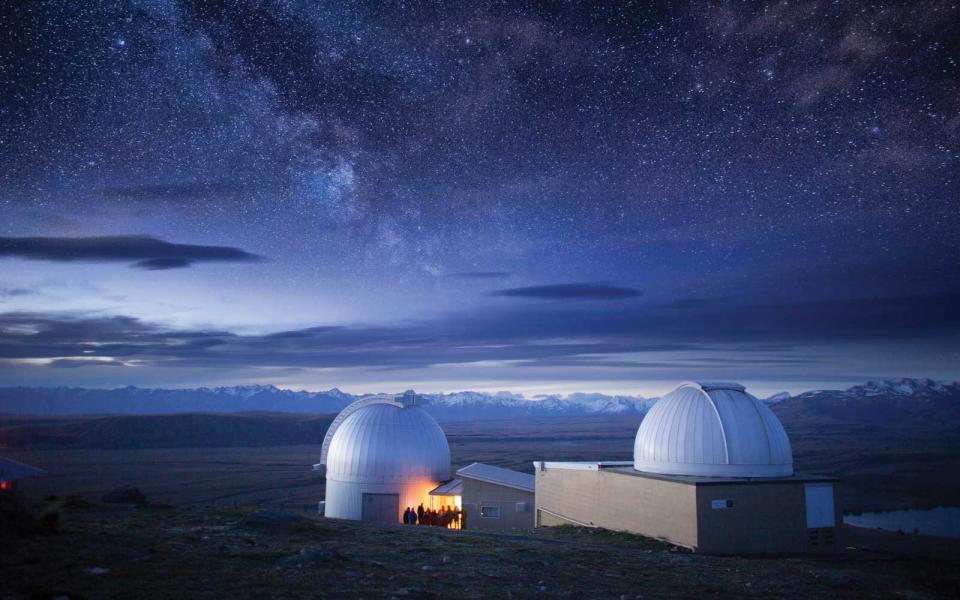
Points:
x=655, y=508
x=764, y=518
x=480, y=493
x=344, y=499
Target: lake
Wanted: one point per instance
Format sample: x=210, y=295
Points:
x=943, y=521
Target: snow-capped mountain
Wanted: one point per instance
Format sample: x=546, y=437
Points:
x=778, y=397
x=463, y=405
x=904, y=387
x=268, y=398
x=885, y=402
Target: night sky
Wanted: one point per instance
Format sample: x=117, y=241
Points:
x=540, y=198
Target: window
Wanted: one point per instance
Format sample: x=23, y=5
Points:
x=489, y=512
x=720, y=504
x=522, y=507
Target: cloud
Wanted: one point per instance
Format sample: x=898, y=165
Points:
x=566, y=291
x=575, y=335
x=143, y=251
x=160, y=264
x=479, y=275
x=409, y=345
x=76, y=363
x=14, y=292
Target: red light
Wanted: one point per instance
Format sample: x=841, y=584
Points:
x=3, y=485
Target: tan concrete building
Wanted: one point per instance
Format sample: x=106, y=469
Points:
x=706, y=514
x=712, y=471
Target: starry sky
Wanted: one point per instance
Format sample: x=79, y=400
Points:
x=540, y=197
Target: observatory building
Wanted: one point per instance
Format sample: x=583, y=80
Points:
x=382, y=455
x=712, y=470
x=11, y=472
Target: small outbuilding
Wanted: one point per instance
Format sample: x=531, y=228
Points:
x=496, y=498
x=12, y=471
x=712, y=471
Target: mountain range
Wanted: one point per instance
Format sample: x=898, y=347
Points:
x=880, y=402
x=267, y=398
x=265, y=415
x=886, y=402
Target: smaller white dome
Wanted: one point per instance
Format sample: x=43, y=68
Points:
x=388, y=442
x=712, y=430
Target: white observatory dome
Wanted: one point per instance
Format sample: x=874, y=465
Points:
x=382, y=452
x=712, y=430
x=388, y=443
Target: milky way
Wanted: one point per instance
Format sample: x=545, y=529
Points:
x=515, y=195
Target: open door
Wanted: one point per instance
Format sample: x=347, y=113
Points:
x=381, y=508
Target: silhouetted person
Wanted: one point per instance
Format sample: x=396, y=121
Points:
x=420, y=513
x=407, y=514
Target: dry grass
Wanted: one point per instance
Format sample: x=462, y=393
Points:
x=191, y=552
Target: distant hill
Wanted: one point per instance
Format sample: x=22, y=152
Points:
x=163, y=431
x=886, y=403
x=143, y=401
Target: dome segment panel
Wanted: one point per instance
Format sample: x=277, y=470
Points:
x=685, y=429
x=780, y=449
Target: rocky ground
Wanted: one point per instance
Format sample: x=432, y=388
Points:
x=109, y=551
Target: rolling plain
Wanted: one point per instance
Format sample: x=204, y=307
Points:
x=881, y=468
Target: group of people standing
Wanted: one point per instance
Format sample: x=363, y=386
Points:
x=446, y=516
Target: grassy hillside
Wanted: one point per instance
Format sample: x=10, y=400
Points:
x=125, y=552
x=162, y=431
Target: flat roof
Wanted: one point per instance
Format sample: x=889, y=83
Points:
x=624, y=467
x=498, y=476
x=11, y=470
x=581, y=465
x=454, y=487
